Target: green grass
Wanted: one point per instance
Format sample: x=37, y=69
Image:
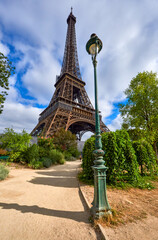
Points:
x=145, y=182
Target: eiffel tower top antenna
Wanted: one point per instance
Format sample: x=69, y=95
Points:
x=70, y=60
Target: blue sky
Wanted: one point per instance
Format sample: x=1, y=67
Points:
x=33, y=34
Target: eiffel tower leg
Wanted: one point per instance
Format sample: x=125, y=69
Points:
x=68, y=121
x=47, y=129
x=35, y=131
x=60, y=120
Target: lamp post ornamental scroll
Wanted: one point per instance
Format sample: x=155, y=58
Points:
x=100, y=202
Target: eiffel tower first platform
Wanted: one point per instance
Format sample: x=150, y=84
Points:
x=70, y=107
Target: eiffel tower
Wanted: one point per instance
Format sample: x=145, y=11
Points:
x=70, y=107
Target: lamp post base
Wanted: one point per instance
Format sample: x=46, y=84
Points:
x=100, y=203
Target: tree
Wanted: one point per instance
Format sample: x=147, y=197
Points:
x=6, y=69
x=141, y=109
x=64, y=140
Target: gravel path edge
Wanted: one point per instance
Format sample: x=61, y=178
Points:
x=101, y=229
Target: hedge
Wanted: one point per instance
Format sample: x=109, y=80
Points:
x=146, y=157
x=119, y=157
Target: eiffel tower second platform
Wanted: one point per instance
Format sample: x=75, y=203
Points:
x=70, y=107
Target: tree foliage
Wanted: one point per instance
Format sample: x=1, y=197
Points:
x=6, y=69
x=30, y=153
x=141, y=109
x=146, y=157
x=16, y=143
x=35, y=156
x=45, y=146
x=64, y=140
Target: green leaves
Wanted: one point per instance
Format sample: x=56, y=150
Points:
x=3, y=172
x=119, y=158
x=88, y=157
x=145, y=157
x=126, y=160
x=15, y=142
x=6, y=70
x=65, y=140
x=141, y=110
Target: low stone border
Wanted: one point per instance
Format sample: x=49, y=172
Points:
x=101, y=229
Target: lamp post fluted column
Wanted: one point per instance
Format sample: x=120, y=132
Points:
x=100, y=202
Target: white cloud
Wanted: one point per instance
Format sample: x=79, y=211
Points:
x=86, y=136
x=105, y=107
x=41, y=75
x=116, y=123
x=4, y=49
x=19, y=117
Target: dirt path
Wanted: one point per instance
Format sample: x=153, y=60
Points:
x=43, y=204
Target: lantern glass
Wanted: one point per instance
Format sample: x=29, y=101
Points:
x=94, y=45
x=93, y=49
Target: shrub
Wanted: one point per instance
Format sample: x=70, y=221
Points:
x=46, y=162
x=127, y=157
x=30, y=153
x=43, y=152
x=119, y=158
x=45, y=146
x=88, y=157
x=56, y=157
x=69, y=157
x=15, y=142
x=36, y=164
x=46, y=143
x=64, y=140
x=146, y=157
x=3, y=152
x=61, y=161
x=111, y=157
x=3, y=172
x=14, y=156
x=74, y=152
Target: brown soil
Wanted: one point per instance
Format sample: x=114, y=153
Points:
x=12, y=165
x=136, y=213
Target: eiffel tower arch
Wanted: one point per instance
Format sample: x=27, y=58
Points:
x=70, y=107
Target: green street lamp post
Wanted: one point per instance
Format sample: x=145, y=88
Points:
x=100, y=202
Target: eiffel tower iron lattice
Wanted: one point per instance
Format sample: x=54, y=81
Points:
x=70, y=107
